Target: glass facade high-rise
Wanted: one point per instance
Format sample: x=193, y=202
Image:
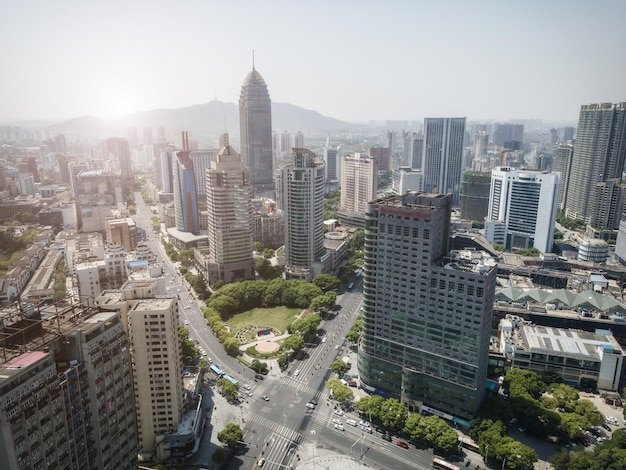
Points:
x=599, y=154
x=255, y=127
x=185, y=196
x=426, y=311
x=443, y=156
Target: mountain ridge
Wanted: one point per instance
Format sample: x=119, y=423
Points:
x=204, y=122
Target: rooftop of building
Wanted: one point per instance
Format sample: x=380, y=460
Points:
x=560, y=341
x=478, y=262
x=32, y=328
x=146, y=305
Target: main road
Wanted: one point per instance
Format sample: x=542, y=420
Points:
x=283, y=429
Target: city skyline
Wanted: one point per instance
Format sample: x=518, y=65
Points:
x=353, y=61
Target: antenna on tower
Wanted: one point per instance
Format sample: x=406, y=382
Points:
x=252, y=59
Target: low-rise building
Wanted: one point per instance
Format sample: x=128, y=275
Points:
x=580, y=358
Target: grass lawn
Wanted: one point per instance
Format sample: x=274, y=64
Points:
x=278, y=317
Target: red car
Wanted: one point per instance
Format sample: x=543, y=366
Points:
x=404, y=445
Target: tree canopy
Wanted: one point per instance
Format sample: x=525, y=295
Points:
x=230, y=434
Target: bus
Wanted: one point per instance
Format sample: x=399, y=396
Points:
x=440, y=463
x=230, y=379
x=216, y=370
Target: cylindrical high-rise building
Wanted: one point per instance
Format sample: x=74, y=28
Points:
x=300, y=190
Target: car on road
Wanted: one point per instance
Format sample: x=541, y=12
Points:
x=404, y=445
x=313, y=400
x=338, y=412
x=521, y=429
x=324, y=340
x=386, y=437
x=265, y=397
x=339, y=426
x=186, y=322
x=606, y=426
x=336, y=347
x=310, y=405
x=296, y=373
x=258, y=377
x=351, y=422
x=197, y=342
x=337, y=421
x=381, y=430
x=247, y=387
x=366, y=429
x=249, y=393
x=364, y=423
x=260, y=462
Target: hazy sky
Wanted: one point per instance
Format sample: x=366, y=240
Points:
x=354, y=60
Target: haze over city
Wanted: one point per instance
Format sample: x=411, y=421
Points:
x=352, y=60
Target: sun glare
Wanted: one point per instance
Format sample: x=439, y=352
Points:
x=118, y=105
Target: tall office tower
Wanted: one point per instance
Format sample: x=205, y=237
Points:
x=554, y=136
x=147, y=136
x=359, y=182
x=522, y=208
x=185, y=196
x=3, y=179
x=415, y=155
x=285, y=143
x=74, y=168
x=382, y=156
x=443, y=156
x=563, y=165
x=406, y=148
x=228, y=206
x=300, y=192
x=26, y=185
x=481, y=142
x=599, y=155
x=133, y=138
x=161, y=135
x=475, y=196
x=275, y=144
x=201, y=160
x=60, y=144
x=255, y=127
x=33, y=168
x=392, y=141
x=426, y=311
x=118, y=149
x=568, y=134
x=157, y=163
x=608, y=200
x=64, y=172
x=298, y=140
x=508, y=135
x=331, y=161
x=167, y=156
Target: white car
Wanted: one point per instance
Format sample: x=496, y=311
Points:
x=338, y=412
x=364, y=423
x=296, y=373
x=339, y=426
x=310, y=405
x=186, y=322
x=337, y=421
x=247, y=387
x=351, y=422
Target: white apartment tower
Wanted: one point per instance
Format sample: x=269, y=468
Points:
x=522, y=208
x=229, y=194
x=300, y=192
x=359, y=182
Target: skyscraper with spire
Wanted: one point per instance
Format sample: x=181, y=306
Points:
x=255, y=125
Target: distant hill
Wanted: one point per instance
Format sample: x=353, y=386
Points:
x=204, y=122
